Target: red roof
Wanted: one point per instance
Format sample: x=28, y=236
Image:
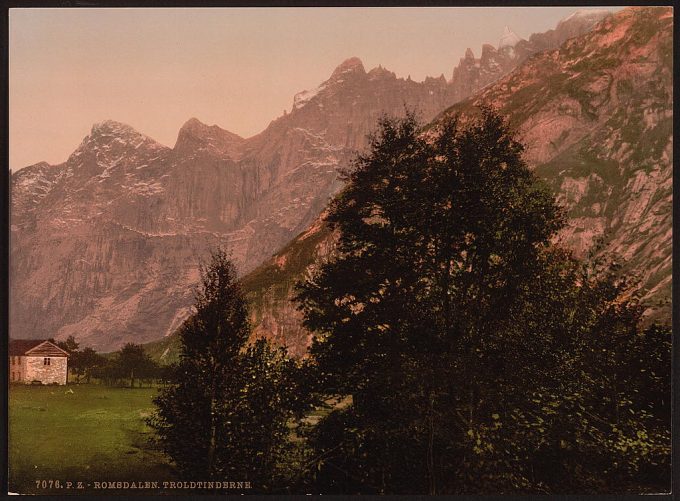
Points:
x=19, y=347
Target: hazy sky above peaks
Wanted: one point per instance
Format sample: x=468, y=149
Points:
x=238, y=68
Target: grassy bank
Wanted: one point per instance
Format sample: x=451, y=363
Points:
x=94, y=434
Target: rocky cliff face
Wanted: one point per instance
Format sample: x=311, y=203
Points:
x=597, y=119
x=105, y=246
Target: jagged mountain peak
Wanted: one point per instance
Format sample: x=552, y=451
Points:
x=509, y=38
x=196, y=127
x=195, y=135
x=380, y=72
x=37, y=166
x=351, y=65
x=111, y=140
x=111, y=130
x=194, y=122
x=114, y=128
x=488, y=50
x=586, y=14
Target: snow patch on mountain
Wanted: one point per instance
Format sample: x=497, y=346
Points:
x=302, y=98
x=586, y=13
x=508, y=39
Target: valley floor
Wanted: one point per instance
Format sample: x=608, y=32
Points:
x=95, y=434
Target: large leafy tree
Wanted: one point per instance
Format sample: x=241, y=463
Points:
x=225, y=414
x=83, y=362
x=454, y=325
x=70, y=344
x=133, y=362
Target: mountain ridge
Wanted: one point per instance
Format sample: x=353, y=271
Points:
x=636, y=202
x=105, y=246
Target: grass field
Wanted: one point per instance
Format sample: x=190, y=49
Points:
x=96, y=434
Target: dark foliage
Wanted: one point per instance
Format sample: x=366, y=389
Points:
x=83, y=362
x=135, y=363
x=70, y=345
x=129, y=365
x=225, y=413
x=479, y=358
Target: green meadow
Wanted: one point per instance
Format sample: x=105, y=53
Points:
x=95, y=434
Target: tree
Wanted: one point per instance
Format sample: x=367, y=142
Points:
x=134, y=362
x=70, y=345
x=226, y=410
x=110, y=372
x=82, y=362
x=166, y=373
x=563, y=406
x=465, y=339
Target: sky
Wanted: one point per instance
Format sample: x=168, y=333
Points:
x=238, y=68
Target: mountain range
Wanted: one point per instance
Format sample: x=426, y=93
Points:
x=105, y=246
x=596, y=117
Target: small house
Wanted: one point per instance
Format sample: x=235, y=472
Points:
x=37, y=360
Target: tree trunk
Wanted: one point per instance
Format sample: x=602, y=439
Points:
x=432, y=481
x=132, y=378
x=213, y=432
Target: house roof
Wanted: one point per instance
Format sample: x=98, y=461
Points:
x=19, y=347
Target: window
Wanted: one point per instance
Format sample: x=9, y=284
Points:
x=46, y=361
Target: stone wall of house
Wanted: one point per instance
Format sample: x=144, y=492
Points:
x=16, y=369
x=35, y=369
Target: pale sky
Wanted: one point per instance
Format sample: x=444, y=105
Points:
x=238, y=68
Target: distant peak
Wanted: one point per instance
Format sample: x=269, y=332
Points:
x=509, y=38
x=195, y=126
x=193, y=122
x=109, y=138
x=469, y=54
x=110, y=131
x=30, y=169
x=351, y=65
x=112, y=127
x=379, y=71
x=588, y=14
x=195, y=135
x=488, y=50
